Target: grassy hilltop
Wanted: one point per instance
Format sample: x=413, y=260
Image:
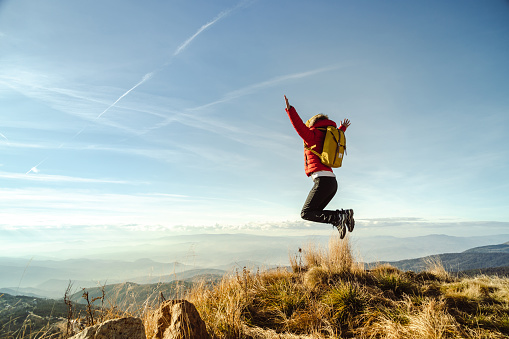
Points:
x=328, y=294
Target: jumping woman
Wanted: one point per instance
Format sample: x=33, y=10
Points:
x=325, y=183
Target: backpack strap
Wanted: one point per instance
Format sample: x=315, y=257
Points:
x=311, y=148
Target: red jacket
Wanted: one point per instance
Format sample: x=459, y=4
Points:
x=311, y=136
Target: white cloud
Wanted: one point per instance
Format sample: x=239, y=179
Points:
x=58, y=178
x=33, y=207
x=60, y=207
x=265, y=84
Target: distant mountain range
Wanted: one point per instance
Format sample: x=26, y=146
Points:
x=502, y=248
x=50, y=278
x=394, y=249
x=483, y=259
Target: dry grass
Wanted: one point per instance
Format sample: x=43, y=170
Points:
x=328, y=294
x=434, y=266
x=429, y=320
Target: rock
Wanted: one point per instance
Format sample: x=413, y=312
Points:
x=87, y=333
x=178, y=319
x=123, y=328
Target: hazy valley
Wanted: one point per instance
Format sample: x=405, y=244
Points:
x=220, y=254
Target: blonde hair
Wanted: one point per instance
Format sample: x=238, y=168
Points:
x=315, y=118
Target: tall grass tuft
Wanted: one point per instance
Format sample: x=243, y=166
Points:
x=345, y=302
x=435, y=266
x=222, y=307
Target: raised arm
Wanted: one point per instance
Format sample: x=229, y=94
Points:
x=304, y=131
x=344, y=124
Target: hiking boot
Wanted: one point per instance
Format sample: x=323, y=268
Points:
x=349, y=220
x=342, y=232
x=340, y=224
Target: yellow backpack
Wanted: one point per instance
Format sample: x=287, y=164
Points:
x=334, y=146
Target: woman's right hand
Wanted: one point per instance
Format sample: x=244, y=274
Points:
x=287, y=104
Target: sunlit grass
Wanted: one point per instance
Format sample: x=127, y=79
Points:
x=326, y=293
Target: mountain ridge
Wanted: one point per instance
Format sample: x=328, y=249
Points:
x=49, y=278
x=482, y=258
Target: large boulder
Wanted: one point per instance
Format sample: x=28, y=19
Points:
x=178, y=319
x=122, y=328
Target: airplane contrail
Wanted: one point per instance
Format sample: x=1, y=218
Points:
x=34, y=169
x=268, y=83
x=145, y=78
x=177, y=52
x=202, y=28
x=149, y=75
x=3, y=136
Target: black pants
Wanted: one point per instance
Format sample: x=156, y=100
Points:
x=320, y=195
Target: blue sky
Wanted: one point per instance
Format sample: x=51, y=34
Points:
x=169, y=115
